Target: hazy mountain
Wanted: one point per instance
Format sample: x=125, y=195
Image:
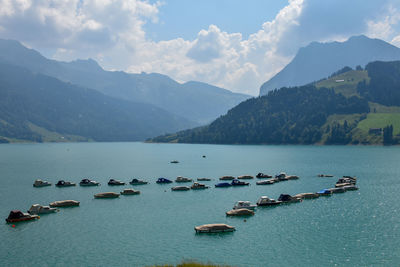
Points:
x=340, y=110
x=196, y=101
x=318, y=60
x=37, y=107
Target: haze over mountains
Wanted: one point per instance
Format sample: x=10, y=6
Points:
x=197, y=102
x=319, y=60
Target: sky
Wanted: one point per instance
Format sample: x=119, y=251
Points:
x=234, y=44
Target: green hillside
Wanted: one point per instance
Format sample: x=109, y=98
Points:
x=345, y=83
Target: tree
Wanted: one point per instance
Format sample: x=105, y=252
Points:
x=388, y=135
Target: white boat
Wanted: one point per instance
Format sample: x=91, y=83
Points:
x=115, y=182
x=180, y=188
x=266, y=201
x=87, y=182
x=130, y=191
x=214, y=228
x=240, y=212
x=106, y=195
x=181, y=179
x=244, y=205
x=39, y=209
x=64, y=203
x=197, y=186
x=264, y=182
x=41, y=183
x=137, y=182
x=63, y=183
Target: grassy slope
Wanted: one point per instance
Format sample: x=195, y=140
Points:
x=380, y=120
x=348, y=87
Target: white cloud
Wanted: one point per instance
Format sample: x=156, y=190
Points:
x=111, y=31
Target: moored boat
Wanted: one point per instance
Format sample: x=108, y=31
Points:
x=307, y=195
x=350, y=187
x=88, y=182
x=106, y=195
x=286, y=198
x=181, y=179
x=263, y=175
x=325, y=192
x=266, y=201
x=63, y=183
x=130, y=191
x=180, y=188
x=137, y=182
x=64, y=203
x=214, y=228
x=41, y=183
x=162, y=180
x=115, y=182
x=19, y=216
x=223, y=185
x=244, y=205
x=197, y=186
x=174, y=161
x=324, y=175
x=39, y=209
x=240, y=212
x=337, y=190
x=203, y=179
x=236, y=182
x=245, y=177
x=224, y=178
x=265, y=182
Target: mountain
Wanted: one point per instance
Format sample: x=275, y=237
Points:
x=195, y=101
x=318, y=60
x=36, y=107
x=351, y=107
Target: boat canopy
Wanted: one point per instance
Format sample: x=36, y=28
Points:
x=285, y=197
x=15, y=214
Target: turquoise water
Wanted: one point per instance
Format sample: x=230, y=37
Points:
x=357, y=228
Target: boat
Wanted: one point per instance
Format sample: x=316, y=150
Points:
x=324, y=175
x=264, y=182
x=245, y=177
x=63, y=183
x=214, y=228
x=236, y=182
x=106, y=195
x=350, y=187
x=307, y=195
x=266, y=201
x=325, y=192
x=19, y=216
x=346, y=180
x=224, y=178
x=181, y=179
x=203, y=179
x=342, y=184
x=41, y=183
x=163, y=181
x=130, y=191
x=262, y=175
x=286, y=198
x=223, y=185
x=137, y=182
x=292, y=177
x=180, y=188
x=244, y=205
x=281, y=176
x=197, y=186
x=240, y=212
x=87, y=182
x=39, y=209
x=174, y=161
x=64, y=203
x=115, y=182
x=337, y=190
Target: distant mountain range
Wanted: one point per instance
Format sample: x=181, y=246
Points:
x=195, y=101
x=318, y=60
x=352, y=107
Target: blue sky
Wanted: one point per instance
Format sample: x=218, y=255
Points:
x=233, y=44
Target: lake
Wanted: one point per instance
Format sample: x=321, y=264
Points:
x=356, y=228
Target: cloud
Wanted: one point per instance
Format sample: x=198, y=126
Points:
x=112, y=32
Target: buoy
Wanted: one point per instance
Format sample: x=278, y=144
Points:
x=13, y=225
x=38, y=217
x=245, y=220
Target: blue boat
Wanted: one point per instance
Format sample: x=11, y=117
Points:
x=325, y=192
x=223, y=185
x=163, y=181
x=237, y=182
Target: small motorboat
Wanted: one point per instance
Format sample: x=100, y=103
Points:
x=245, y=177
x=174, y=161
x=236, y=182
x=281, y=176
x=181, y=179
x=163, y=181
x=265, y=182
x=337, y=190
x=115, y=182
x=347, y=180
x=214, y=228
x=325, y=192
x=203, y=179
x=106, y=195
x=64, y=203
x=244, y=205
x=63, y=183
x=180, y=188
x=39, y=209
x=19, y=216
x=292, y=177
x=130, y=191
x=197, y=186
x=137, y=182
x=350, y=187
x=262, y=175
x=324, y=175
x=342, y=184
x=224, y=178
x=240, y=212
x=266, y=201
x=223, y=185
x=286, y=198
x=41, y=183
x=87, y=182
x=307, y=195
